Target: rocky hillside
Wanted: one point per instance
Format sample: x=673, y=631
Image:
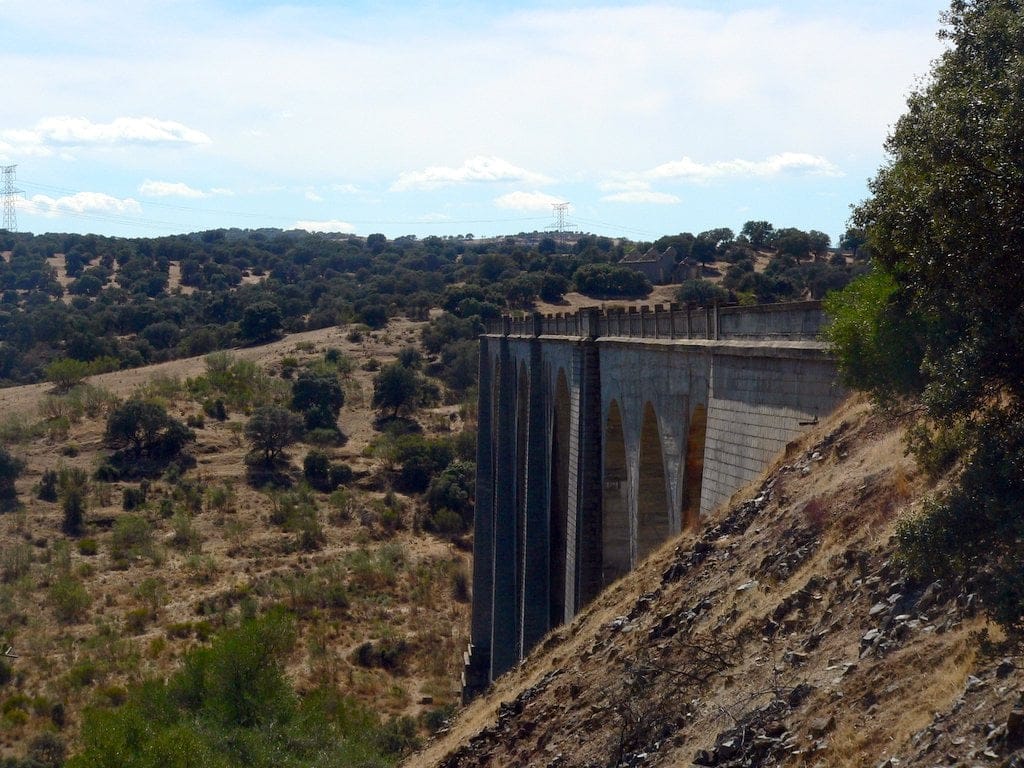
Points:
x=783, y=632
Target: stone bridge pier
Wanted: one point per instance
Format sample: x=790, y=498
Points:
x=602, y=433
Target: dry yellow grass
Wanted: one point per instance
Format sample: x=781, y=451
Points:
x=128, y=630
x=848, y=502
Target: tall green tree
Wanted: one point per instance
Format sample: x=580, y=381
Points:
x=760, y=233
x=319, y=397
x=270, y=430
x=260, y=322
x=945, y=216
x=396, y=388
x=145, y=427
x=945, y=221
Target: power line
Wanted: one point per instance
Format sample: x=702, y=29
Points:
x=562, y=225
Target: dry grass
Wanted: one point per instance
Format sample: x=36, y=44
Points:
x=847, y=503
x=213, y=553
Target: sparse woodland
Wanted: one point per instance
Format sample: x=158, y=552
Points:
x=265, y=440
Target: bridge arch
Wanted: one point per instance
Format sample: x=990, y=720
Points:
x=559, y=498
x=653, y=512
x=615, y=527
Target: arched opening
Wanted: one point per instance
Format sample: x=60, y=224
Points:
x=652, y=496
x=615, y=500
x=559, y=508
x=694, y=467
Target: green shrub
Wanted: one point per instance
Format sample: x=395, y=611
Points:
x=399, y=736
x=388, y=653
x=97, y=401
x=453, y=489
x=47, y=490
x=609, y=281
x=132, y=498
x=377, y=571
x=73, y=490
x=874, y=342
x=135, y=620
x=69, y=599
x=221, y=498
x=976, y=530
x=340, y=474
x=296, y=513
x=106, y=473
x=184, y=535
x=437, y=718
x=419, y=459
x=215, y=409
x=701, y=292
x=937, y=446
x=231, y=705
x=66, y=373
x=10, y=468
x=88, y=547
x=323, y=436
x=131, y=539
x=316, y=468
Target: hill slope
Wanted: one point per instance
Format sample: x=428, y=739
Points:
x=209, y=548
x=782, y=633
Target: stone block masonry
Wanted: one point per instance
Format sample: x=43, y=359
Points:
x=603, y=433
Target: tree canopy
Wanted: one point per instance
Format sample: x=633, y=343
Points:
x=945, y=227
x=945, y=216
x=319, y=397
x=145, y=427
x=395, y=387
x=270, y=430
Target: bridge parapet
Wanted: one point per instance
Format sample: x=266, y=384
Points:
x=790, y=321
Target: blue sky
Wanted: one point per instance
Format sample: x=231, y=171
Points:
x=150, y=118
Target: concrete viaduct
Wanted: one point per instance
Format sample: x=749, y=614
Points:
x=604, y=432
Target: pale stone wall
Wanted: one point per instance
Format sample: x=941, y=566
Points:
x=646, y=397
x=758, y=403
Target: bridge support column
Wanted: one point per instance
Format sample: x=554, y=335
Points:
x=536, y=596
x=505, y=608
x=477, y=668
x=588, y=469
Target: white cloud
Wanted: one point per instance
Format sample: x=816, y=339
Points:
x=169, y=189
x=80, y=203
x=80, y=131
x=345, y=189
x=431, y=218
x=642, y=196
x=332, y=225
x=634, y=191
x=687, y=169
x=477, y=169
x=313, y=197
x=527, y=201
x=122, y=130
